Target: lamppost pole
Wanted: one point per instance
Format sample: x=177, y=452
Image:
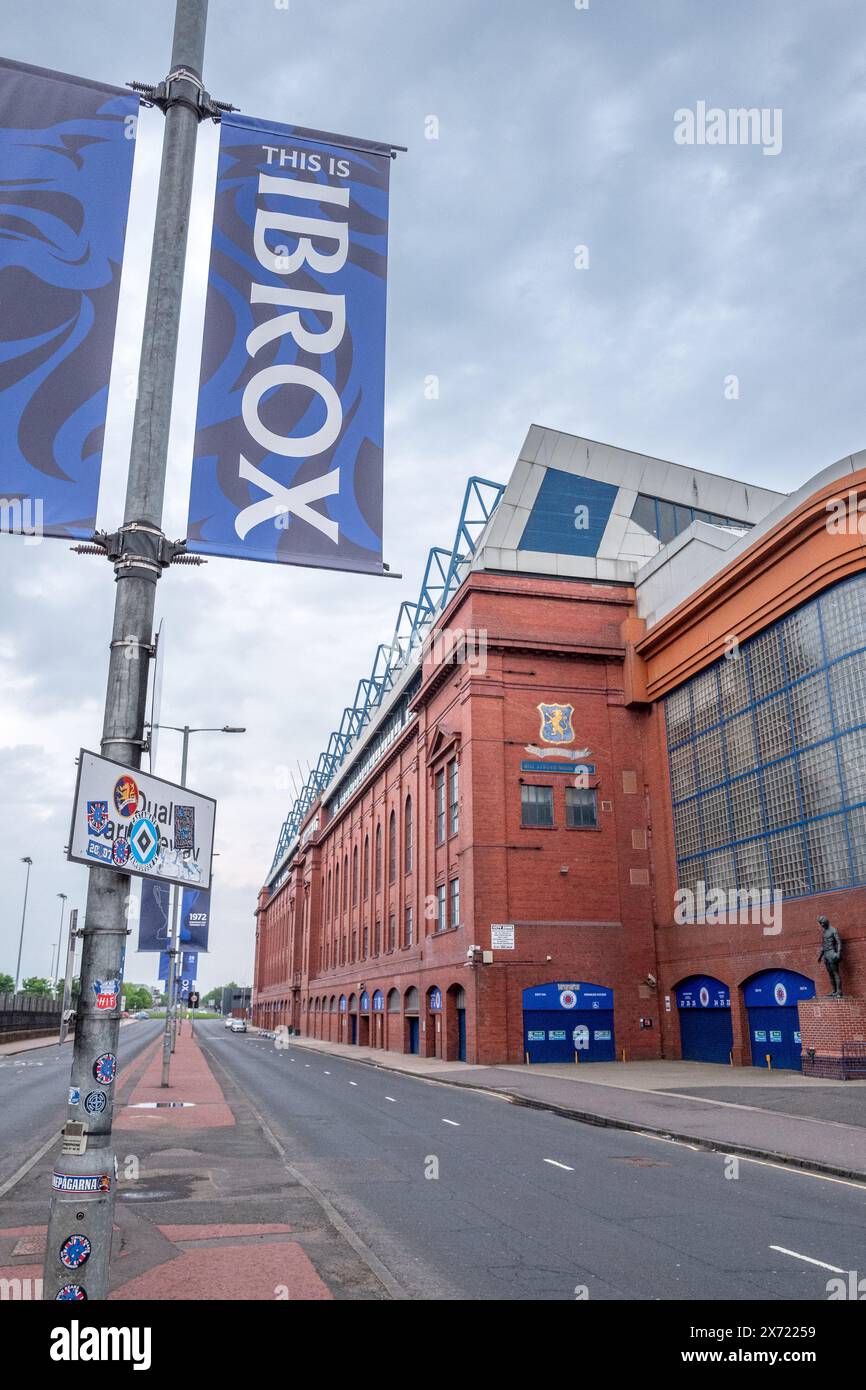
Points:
x=81, y=1218
x=62, y=897
x=29, y=862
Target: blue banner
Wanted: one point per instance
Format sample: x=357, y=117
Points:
x=153, y=919
x=187, y=965
x=66, y=152
x=195, y=918
x=288, y=450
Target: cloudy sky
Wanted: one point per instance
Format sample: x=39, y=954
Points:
x=555, y=131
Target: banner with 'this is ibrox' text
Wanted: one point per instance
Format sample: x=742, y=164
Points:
x=288, y=449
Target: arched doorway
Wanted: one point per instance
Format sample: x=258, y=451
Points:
x=568, y=1023
x=771, y=998
x=456, y=1024
x=706, y=1030
x=364, y=1020
x=411, y=1012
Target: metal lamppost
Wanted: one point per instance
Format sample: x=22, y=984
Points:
x=173, y=944
x=29, y=862
x=62, y=897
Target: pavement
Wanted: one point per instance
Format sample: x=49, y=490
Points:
x=780, y=1117
x=206, y=1207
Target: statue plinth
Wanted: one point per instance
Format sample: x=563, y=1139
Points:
x=833, y=1037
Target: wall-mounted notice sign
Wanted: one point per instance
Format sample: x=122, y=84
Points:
x=126, y=820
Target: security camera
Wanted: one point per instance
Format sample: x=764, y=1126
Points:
x=651, y=981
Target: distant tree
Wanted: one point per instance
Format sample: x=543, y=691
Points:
x=35, y=984
x=7, y=984
x=138, y=997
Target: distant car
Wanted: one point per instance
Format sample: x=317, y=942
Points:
x=239, y=1025
x=229, y=1021
x=142, y=1016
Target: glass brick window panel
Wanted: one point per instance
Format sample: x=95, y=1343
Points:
x=710, y=759
x=440, y=806
x=687, y=828
x=788, y=863
x=819, y=780
x=678, y=714
x=852, y=754
x=801, y=638
x=765, y=663
x=581, y=811
x=810, y=708
x=536, y=805
x=714, y=816
x=740, y=742
x=453, y=797
x=746, y=815
x=705, y=699
x=734, y=683
x=409, y=927
x=843, y=614
x=441, y=919
x=774, y=729
x=857, y=837
x=691, y=872
x=848, y=691
x=753, y=869
x=780, y=795
x=720, y=871
x=683, y=771
x=828, y=851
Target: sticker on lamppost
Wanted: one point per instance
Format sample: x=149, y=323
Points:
x=502, y=936
x=129, y=821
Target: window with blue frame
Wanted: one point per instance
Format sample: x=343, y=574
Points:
x=664, y=520
x=767, y=754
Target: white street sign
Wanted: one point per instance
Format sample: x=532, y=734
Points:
x=502, y=936
x=129, y=821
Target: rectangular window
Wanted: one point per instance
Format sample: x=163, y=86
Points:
x=581, y=808
x=409, y=928
x=536, y=805
x=441, y=920
x=440, y=806
x=455, y=902
x=453, y=797
x=392, y=931
x=366, y=942
x=377, y=939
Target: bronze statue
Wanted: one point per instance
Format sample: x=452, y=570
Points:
x=831, y=954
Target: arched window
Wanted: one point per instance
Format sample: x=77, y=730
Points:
x=393, y=1001
x=354, y=875
x=392, y=848
x=366, y=866
x=407, y=837
x=378, y=865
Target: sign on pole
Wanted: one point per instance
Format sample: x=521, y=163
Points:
x=289, y=439
x=126, y=820
x=66, y=152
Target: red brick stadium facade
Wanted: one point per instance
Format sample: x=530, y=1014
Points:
x=378, y=927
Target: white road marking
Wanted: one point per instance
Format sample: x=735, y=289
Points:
x=353, y=1083
x=809, y=1261
x=554, y=1164
x=391, y=1098
x=327, y=1073
x=455, y=1123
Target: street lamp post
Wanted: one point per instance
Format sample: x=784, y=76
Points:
x=62, y=897
x=173, y=945
x=29, y=862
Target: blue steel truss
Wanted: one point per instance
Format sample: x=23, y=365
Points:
x=443, y=575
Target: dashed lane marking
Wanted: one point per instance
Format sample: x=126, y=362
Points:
x=554, y=1164
x=795, y=1254
x=455, y=1123
x=391, y=1098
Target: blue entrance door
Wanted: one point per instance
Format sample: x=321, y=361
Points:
x=413, y=1035
x=771, y=1000
x=564, y=1022
x=461, y=1035
x=704, y=1007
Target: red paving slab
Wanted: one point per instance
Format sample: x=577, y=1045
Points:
x=247, y=1273
x=181, y=1233
x=191, y=1080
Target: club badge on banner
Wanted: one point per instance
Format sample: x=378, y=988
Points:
x=288, y=450
x=66, y=153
